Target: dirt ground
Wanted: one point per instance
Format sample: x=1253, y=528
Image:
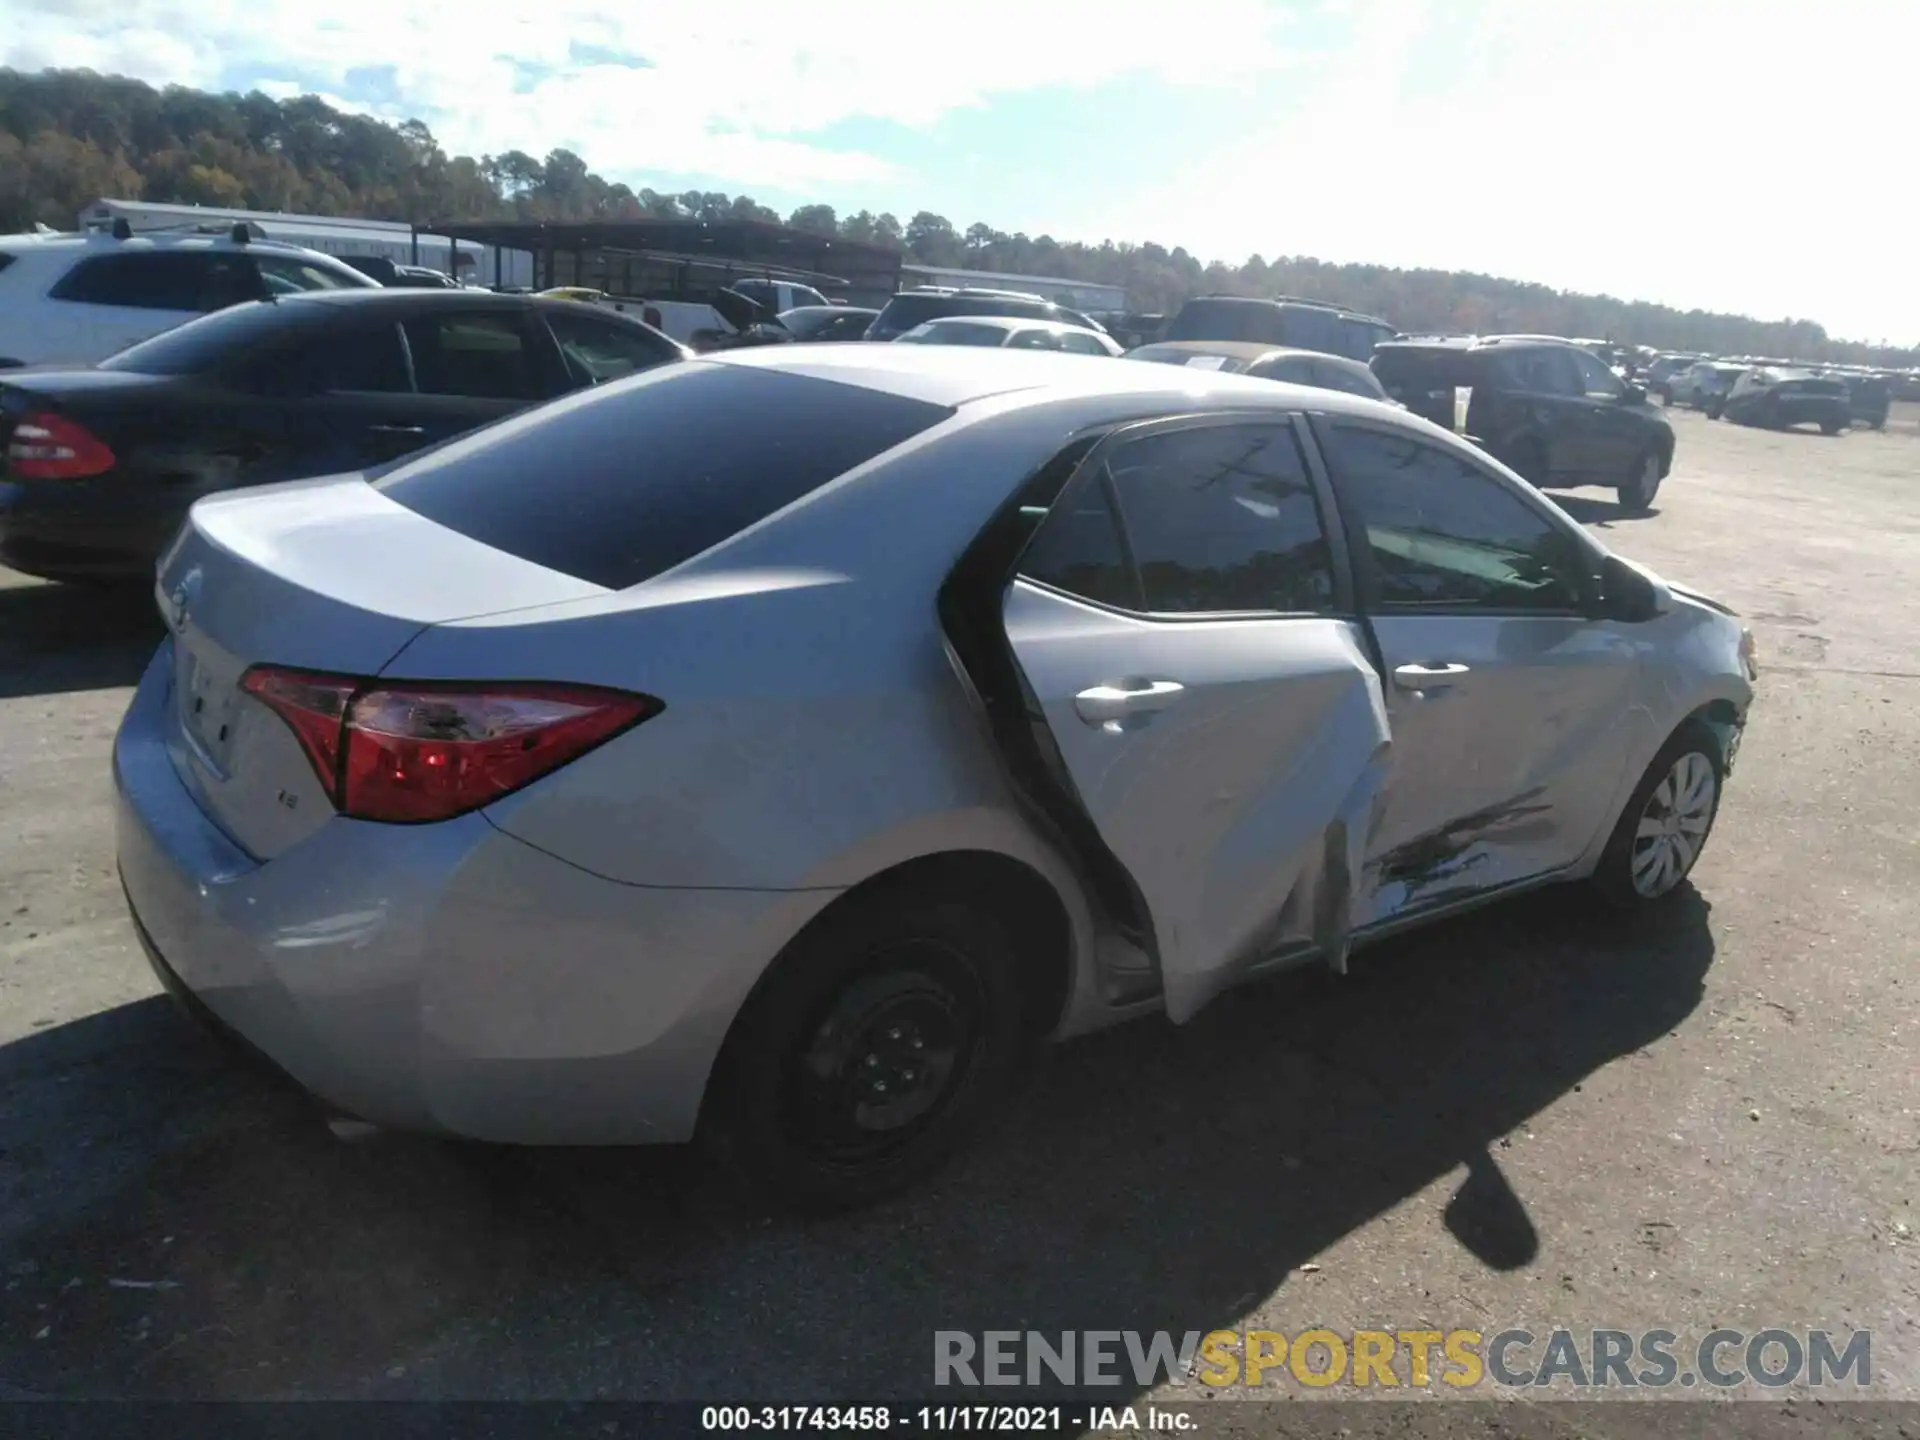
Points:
x=1527, y=1117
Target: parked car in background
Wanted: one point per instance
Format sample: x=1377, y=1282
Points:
x=1065, y=701
x=1550, y=409
x=1704, y=385
x=384, y=271
x=821, y=323
x=1780, y=398
x=1869, y=399
x=101, y=463
x=1295, y=324
x=75, y=299
x=1267, y=362
x=1012, y=334
x=777, y=297
x=1663, y=370
x=915, y=307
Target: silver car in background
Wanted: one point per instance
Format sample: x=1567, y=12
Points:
x=768, y=748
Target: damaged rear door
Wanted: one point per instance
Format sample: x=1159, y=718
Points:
x=1181, y=625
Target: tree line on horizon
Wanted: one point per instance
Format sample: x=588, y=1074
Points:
x=69, y=137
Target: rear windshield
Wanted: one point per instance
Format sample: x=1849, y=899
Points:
x=619, y=483
x=956, y=332
x=208, y=342
x=1414, y=369
x=903, y=312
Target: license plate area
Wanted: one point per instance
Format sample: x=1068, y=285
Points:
x=206, y=699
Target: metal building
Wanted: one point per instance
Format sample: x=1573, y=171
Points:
x=331, y=234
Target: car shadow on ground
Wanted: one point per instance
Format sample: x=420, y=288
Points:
x=171, y=1225
x=59, y=638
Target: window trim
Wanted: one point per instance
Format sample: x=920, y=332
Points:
x=1366, y=589
x=1345, y=599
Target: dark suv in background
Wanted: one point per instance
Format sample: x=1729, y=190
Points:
x=1549, y=409
x=915, y=307
x=1294, y=324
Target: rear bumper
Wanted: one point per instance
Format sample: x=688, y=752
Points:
x=446, y=978
x=80, y=530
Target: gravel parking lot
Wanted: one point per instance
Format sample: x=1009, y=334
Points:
x=1529, y=1116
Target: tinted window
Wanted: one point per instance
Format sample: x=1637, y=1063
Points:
x=806, y=295
x=1252, y=320
x=1596, y=380
x=1358, y=337
x=211, y=341
x=1078, y=548
x=1306, y=328
x=598, y=350
x=1352, y=382
x=811, y=324
x=1293, y=369
x=616, y=484
x=480, y=355
x=364, y=359
x=189, y=280
x=1444, y=535
x=1539, y=372
x=1222, y=518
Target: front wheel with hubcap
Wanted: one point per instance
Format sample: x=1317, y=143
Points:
x=873, y=1050
x=1637, y=493
x=1665, y=824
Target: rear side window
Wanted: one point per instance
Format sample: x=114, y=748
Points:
x=617, y=484
x=1228, y=320
x=1215, y=520
x=959, y=332
x=213, y=341
x=483, y=356
x=367, y=359
x=186, y=280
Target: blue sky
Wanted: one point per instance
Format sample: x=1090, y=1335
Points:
x=1732, y=156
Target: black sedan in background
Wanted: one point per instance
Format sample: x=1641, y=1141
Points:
x=102, y=462
x=1778, y=398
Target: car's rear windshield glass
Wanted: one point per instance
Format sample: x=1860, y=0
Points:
x=208, y=342
x=619, y=483
x=957, y=332
x=1412, y=369
x=1228, y=320
x=903, y=312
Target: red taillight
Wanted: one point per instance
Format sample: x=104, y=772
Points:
x=46, y=446
x=409, y=752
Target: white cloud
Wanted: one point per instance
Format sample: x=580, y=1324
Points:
x=728, y=89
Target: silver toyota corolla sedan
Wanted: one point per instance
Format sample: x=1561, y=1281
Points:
x=768, y=747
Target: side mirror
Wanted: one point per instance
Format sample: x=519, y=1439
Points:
x=1629, y=594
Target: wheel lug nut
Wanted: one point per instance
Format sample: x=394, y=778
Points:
x=872, y=1060
x=918, y=1043
x=893, y=1034
x=880, y=1087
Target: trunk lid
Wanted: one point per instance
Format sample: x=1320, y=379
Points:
x=321, y=575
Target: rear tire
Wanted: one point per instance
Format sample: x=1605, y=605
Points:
x=1636, y=494
x=1830, y=427
x=1675, y=804
x=875, y=1049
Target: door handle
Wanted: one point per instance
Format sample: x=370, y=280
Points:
x=1428, y=677
x=1133, y=697
x=409, y=432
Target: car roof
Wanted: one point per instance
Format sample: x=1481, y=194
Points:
x=958, y=375
x=831, y=310
x=147, y=240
